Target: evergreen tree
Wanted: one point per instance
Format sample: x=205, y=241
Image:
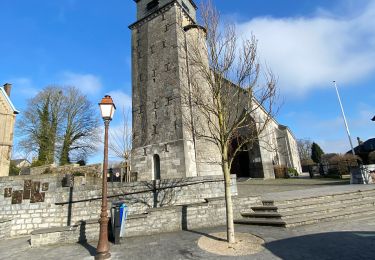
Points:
x=316, y=153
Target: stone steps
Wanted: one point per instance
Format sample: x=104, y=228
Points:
x=319, y=199
x=302, y=211
x=261, y=221
x=328, y=217
x=327, y=208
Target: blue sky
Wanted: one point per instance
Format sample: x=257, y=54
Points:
x=307, y=43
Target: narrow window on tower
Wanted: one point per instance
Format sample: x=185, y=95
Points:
x=155, y=130
x=167, y=67
x=140, y=77
x=164, y=44
x=152, y=49
x=169, y=100
x=154, y=72
x=153, y=4
x=162, y=16
x=166, y=27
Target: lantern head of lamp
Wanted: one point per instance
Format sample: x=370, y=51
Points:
x=107, y=108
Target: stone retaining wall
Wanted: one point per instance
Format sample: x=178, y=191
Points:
x=167, y=219
x=5, y=226
x=93, y=170
x=40, y=201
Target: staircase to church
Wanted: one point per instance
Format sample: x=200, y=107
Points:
x=308, y=210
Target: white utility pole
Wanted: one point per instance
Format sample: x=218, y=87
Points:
x=343, y=116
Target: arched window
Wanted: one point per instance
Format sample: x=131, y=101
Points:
x=156, y=167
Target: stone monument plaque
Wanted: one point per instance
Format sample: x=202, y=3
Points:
x=37, y=197
x=7, y=192
x=45, y=186
x=26, y=194
x=35, y=187
x=26, y=189
x=17, y=197
x=27, y=185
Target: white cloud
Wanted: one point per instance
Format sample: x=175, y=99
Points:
x=121, y=99
x=89, y=84
x=311, y=52
x=23, y=86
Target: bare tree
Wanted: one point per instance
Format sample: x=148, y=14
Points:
x=80, y=126
x=120, y=143
x=230, y=103
x=304, y=149
x=58, y=123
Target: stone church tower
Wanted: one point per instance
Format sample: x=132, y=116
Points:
x=163, y=145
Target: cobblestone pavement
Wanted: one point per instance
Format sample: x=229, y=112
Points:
x=345, y=239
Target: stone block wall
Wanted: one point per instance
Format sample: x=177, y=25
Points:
x=168, y=219
x=208, y=214
x=40, y=201
x=93, y=170
x=5, y=226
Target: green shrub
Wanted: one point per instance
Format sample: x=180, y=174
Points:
x=292, y=172
x=13, y=169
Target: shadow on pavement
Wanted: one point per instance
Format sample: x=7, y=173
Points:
x=333, y=245
x=83, y=240
x=184, y=225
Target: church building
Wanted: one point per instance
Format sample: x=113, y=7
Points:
x=163, y=146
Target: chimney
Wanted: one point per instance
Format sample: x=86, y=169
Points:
x=8, y=88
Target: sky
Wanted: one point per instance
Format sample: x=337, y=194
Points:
x=306, y=43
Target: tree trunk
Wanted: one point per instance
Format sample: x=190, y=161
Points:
x=228, y=198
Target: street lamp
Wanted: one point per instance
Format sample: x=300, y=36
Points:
x=107, y=109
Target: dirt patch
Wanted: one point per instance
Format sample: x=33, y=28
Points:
x=246, y=244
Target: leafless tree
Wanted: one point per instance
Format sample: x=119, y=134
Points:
x=79, y=126
x=231, y=97
x=304, y=149
x=120, y=141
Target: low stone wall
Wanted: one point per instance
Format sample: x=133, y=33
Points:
x=40, y=201
x=93, y=170
x=81, y=232
x=167, y=219
x=5, y=226
x=186, y=217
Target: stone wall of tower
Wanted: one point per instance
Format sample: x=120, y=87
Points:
x=208, y=156
x=157, y=109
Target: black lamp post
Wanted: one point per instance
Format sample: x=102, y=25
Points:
x=107, y=109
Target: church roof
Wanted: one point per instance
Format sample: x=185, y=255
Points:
x=191, y=1
x=7, y=99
